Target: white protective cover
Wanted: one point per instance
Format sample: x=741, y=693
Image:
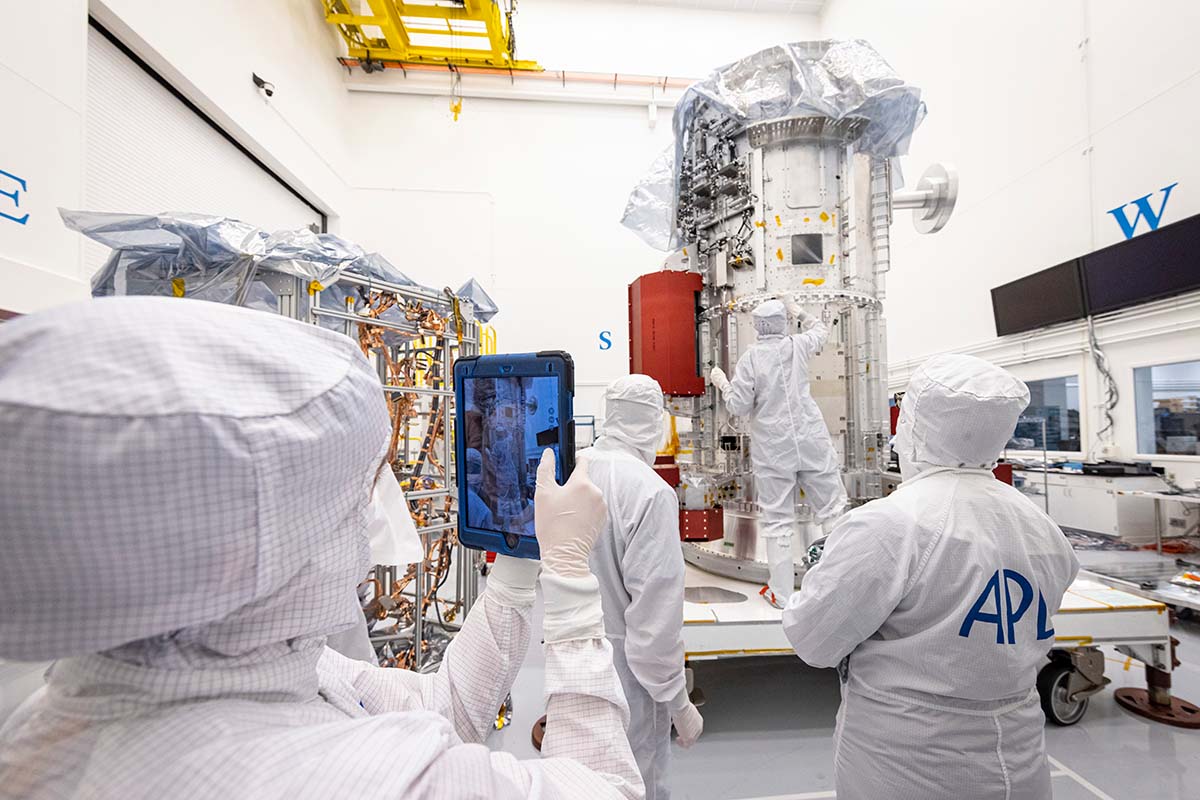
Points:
x=185, y=492
x=638, y=561
x=937, y=603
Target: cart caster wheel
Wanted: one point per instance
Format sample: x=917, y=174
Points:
x=1052, y=687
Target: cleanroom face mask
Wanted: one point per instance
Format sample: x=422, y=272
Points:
x=391, y=531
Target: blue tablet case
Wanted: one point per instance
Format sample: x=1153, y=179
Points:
x=508, y=409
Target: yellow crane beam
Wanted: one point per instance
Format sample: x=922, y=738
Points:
x=457, y=33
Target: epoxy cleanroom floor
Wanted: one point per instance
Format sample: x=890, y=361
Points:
x=768, y=733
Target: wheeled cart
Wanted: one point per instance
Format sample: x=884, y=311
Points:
x=726, y=618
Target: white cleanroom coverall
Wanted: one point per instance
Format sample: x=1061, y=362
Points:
x=937, y=603
x=639, y=563
x=185, y=494
x=790, y=445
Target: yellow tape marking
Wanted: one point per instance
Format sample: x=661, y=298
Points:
x=813, y=281
x=778, y=222
x=779, y=254
x=1106, y=610
x=824, y=217
x=177, y=286
x=314, y=287
x=1079, y=639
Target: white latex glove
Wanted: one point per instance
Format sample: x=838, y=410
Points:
x=567, y=519
x=793, y=308
x=719, y=379
x=686, y=719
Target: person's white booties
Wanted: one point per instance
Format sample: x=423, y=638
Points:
x=781, y=581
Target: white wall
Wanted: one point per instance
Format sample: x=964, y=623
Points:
x=527, y=195
x=41, y=145
x=1054, y=113
x=208, y=52
x=534, y=213
x=599, y=36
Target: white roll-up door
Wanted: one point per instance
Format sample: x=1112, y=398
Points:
x=147, y=152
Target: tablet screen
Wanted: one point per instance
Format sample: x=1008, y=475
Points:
x=508, y=422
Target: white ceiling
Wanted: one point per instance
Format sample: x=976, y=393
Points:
x=763, y=6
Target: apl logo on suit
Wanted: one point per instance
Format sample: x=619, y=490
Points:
x=1005, y=607
x=1144, y=211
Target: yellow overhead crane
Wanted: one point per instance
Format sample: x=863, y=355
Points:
x=445, y=33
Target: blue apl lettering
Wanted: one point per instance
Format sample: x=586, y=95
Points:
x=977, y=614
x=1012, y=576
x=1005, y=616
x=605, y=340
x=1044, y=629
x=1143, y=210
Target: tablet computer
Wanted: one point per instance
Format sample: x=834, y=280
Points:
x=509, y=409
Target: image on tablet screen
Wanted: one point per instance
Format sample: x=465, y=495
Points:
x=508, y=423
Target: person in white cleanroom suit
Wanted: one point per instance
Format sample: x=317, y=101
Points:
x=790, y=446
x=937, y=602
x=185, y=494
x=639, y=563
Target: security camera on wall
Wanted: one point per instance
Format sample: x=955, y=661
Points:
x=265, y=87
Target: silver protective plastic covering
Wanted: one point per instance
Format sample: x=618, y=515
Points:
x=485, y=307
x=376, y=266
x=204, y=257
x=215, y=258
x=319, y=257
x=830, y=78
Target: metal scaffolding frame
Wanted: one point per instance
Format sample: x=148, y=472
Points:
x=414, y=349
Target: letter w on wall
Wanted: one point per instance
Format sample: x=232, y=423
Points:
x=1144, y=210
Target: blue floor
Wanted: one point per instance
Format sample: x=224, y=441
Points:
x=769, y=727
